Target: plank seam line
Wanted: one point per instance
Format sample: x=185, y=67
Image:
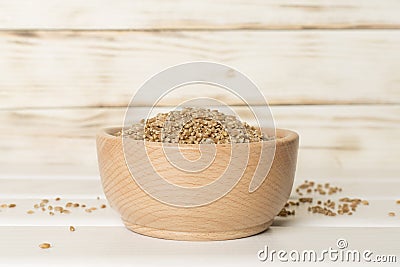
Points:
x=168, y=106
x=216, y=29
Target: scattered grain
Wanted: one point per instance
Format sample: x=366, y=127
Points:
x=12, y=205
x=322, y=189
x=30, y=212
x=306, y=200
x=44, y=245
x=284, y=213
x=321, y=210
x=365, y=202
x=392, y=214
x=328, y=207
x=330, y=204
x=58, y=208
x=72, y=229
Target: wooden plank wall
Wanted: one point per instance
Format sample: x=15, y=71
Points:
x=330, y=70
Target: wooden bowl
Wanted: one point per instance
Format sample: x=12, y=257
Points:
x=239, y=213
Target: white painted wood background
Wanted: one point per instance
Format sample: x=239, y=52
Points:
x=330, y=70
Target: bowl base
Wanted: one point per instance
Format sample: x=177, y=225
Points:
x=197, y=236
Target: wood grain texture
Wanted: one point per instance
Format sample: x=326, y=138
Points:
x=220, y=14
x=336, y=141
x=238, y=213
x=101, y=69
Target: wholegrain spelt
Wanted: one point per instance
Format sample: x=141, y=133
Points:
x=45, y=245
x=194, y=126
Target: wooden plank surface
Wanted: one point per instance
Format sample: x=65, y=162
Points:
x=101, y=239
x=64, y=69
x=220, y=14
x=111, y=246
x=335, y=141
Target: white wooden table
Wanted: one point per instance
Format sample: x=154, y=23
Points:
x=100, y=238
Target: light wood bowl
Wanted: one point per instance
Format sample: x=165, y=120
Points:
x=237, y=214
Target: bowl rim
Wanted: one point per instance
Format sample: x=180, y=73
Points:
x=285, y=136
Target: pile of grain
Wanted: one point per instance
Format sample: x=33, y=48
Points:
x=194, y=126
